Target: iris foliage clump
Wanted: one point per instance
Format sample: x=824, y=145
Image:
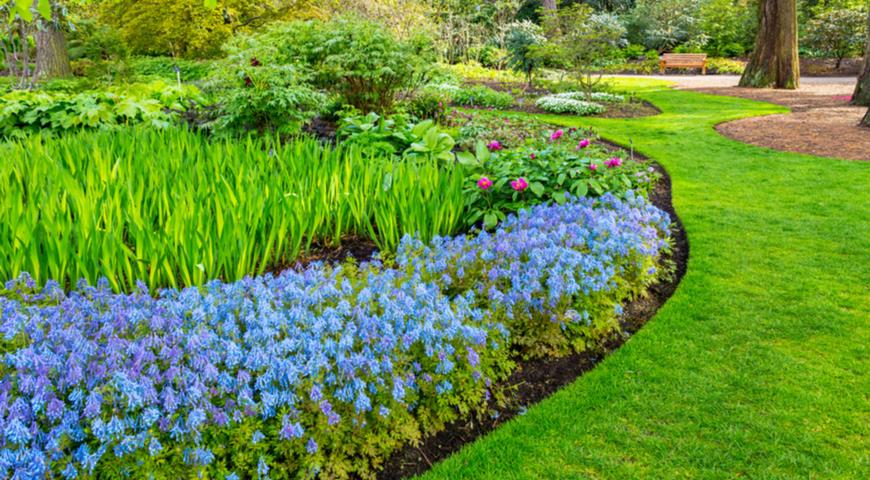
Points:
x=320, y=371
x=172, y=208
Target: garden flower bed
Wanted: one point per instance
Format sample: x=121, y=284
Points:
x=328, y=369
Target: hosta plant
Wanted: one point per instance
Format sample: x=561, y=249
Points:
x=397, y=136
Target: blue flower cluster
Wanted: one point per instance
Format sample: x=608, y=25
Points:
x=326, y=369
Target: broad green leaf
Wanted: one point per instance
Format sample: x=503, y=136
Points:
x=490, y=220
x=44, y=8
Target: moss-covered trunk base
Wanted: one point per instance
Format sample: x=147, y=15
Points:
x=774, y=61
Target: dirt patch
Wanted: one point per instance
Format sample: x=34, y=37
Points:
x=822, y=122
x=534, y=381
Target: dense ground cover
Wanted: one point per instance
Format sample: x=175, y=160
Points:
x=756, y=366
x=323, y=370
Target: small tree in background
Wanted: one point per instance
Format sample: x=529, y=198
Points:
x=521, y=40
x=837, y=33
x=583, y=41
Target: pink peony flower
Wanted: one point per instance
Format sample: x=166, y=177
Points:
x=484, y=183
x=583, y=144
x=593, y=167
x=613, y=162
x=533, y=156
x=520, y=184
x=556, y=135
x=494, y=146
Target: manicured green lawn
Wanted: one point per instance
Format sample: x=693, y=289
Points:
x=758, y=366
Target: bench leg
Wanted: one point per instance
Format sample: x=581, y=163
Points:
x=661, y=68
x=704, y=69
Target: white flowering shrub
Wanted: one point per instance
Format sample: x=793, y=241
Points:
x=554, y=104
x=594, y=96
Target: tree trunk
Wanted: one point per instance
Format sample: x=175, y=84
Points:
x=52, y=58
x=774, y=61
x=862, y=89
x=866, y=121
x=549, y=4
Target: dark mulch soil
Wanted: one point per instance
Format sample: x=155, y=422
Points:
x=356, y=248
x=321, y=129
x=534, y=381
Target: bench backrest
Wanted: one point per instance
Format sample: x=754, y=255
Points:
x=684, y=57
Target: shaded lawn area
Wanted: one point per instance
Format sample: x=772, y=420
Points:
x=757, y=366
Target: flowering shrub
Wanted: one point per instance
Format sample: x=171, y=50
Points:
x=554, y=104
x=558, y=164
x=320, y=371
x=594, y=96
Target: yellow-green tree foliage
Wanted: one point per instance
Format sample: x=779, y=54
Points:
x=405, y=18
x=185, y=28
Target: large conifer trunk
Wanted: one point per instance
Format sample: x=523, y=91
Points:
x=774, y=61
x=862, y=89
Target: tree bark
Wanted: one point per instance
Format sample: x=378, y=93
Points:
x=866, y=121
x=774, y=61
x=52, y=58
x=549, y=4
x=861, y=96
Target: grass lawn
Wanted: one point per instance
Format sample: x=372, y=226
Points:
x=758, y=366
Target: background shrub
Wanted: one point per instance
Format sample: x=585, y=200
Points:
x=355, y=59
x=267, y=99
x=837, y=34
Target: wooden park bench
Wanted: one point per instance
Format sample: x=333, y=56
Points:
x=683, y=60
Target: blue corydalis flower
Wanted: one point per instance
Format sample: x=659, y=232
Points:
x=121, y=373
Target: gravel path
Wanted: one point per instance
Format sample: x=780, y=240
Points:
x=720, y=81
